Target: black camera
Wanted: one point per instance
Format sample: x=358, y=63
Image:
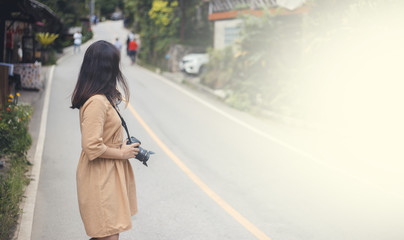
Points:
x=143, y=155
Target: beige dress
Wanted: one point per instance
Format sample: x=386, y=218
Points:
x=106, y=187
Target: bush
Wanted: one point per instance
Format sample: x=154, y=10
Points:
x=219, y=70
x=14, y=144
x=14, y=135
x=260, y=68
x=87, y=34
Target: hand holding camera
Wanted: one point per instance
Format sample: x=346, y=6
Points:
x=128, y=151
x=142, y=154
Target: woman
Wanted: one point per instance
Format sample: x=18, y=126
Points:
x=105, y=181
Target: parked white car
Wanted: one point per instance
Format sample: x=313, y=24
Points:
x=117, y=16
x=194, y=63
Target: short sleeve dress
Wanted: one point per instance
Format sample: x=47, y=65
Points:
x=105, y=187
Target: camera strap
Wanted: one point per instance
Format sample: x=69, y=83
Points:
x=122, y=120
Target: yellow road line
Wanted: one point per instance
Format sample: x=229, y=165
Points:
x=236, y=215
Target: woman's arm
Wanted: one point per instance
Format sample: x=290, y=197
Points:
x=94, y=112
x=125, y=152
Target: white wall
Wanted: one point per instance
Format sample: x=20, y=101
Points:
x=220, y=31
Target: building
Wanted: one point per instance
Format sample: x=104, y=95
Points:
x=225, y=13
x=19, y=21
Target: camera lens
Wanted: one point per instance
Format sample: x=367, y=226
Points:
x=143, y=155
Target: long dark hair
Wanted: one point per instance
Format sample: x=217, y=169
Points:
x=99, y=74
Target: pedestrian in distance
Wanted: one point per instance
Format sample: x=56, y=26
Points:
x=132, y=50
x=131, y=36
x=105, y=181
x=19, y=53
x=77, y=41
x=118, y=44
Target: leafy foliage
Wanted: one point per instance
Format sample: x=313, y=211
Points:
x=256, y=69
x=106, y=7
x=14, y=143
x=161, y=23
x=70, y=11
x=220, y=68
x=14, y=135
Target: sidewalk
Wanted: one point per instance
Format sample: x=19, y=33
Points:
x=36, y=99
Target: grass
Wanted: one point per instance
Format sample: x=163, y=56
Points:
x=12, y=187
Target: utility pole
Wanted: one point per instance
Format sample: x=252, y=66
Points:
x=182, y=4
x=92, y=4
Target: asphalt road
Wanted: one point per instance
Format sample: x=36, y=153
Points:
x=274, y=177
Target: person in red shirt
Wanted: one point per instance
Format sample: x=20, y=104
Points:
x=132, y=50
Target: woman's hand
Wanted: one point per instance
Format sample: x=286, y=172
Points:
x=129, y=151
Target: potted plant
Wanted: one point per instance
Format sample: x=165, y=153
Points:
x=46, y=39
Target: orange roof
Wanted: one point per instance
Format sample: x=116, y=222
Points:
x=235, y=13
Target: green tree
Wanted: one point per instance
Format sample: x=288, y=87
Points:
x=161, y=23
x=70, y=11
x=163, y=26
x=195, y=28
x=107, y=7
